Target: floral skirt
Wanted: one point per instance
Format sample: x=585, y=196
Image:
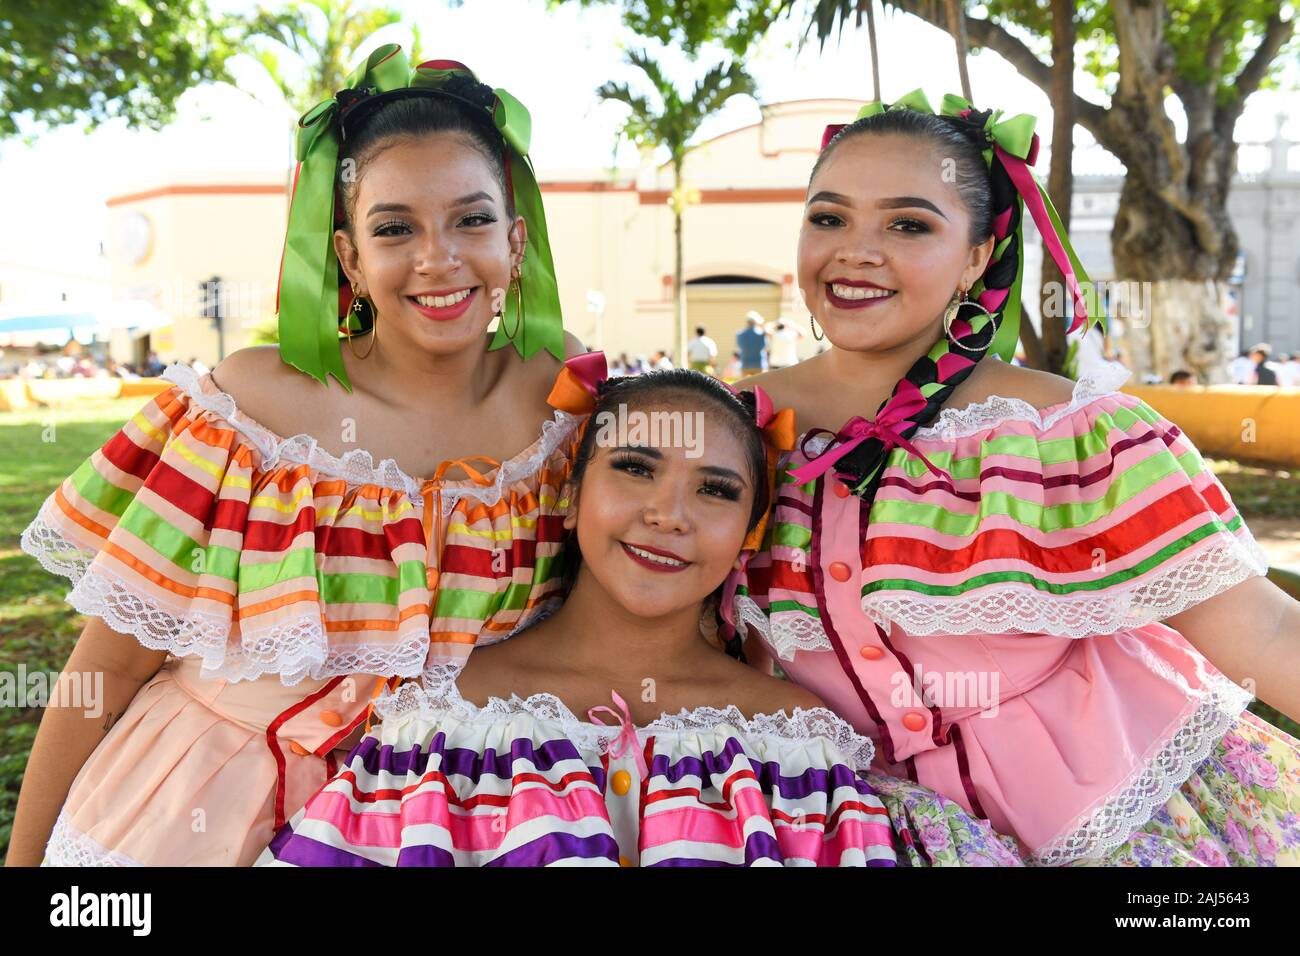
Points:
x=931, y=830
x=1240, y=808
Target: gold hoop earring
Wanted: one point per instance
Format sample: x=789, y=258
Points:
x=517, y=284
x=374, y=326
x=950, y=316
x=816, y=335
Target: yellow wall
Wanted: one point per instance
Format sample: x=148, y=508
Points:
x=1244, y=422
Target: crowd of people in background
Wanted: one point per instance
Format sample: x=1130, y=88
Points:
x=1256, y=366
x=759, y=346
x=80, y=363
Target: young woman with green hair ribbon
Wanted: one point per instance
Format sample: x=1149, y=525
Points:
x=262, y=549
x=1032, y=593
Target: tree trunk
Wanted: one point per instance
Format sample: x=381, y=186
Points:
x=679, y=295
x=957, y=27
x=1030, y=342
x=1060, y=181
x=868, y=7
x=1173, y=249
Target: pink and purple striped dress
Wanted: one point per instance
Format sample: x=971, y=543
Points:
x=523, y=782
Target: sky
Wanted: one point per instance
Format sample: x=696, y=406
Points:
x=53, y=189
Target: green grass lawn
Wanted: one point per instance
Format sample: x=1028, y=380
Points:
x=38, y=449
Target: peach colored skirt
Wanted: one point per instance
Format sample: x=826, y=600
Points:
x=188, y=777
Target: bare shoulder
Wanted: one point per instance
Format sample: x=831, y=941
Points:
x=489, y=672
x=537, y=374
x=994, y=378
x=757, y=693
x=782, y=385
x=266, y=389
x=573, y=345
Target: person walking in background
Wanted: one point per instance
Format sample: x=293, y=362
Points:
x=1264, y=374
x=1241, y=369
x=702, y=352
x=751, y=342
x=1288, y=371
x=661, y=362
x=783, y=346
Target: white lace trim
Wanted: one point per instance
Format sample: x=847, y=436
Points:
x=954, y=423
x=1010, y=609
x=786, y=634
x=439, y=695
x=357, y=467
x=296, y=649
x=68, y=846
x=1111, y=824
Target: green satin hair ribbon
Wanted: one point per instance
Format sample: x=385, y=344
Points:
x=1015, y=136
x=309, y=289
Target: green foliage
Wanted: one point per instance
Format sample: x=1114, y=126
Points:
x=95, y=60
x=307, y=46
x=37, y=627
x=675, y=119
x=690, y=24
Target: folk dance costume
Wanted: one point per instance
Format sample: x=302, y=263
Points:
x=287, y=584
x=524, y=782
x=980, y=590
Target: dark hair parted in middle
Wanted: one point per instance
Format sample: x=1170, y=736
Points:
x=465, y=110
x=691, y=387
x=950, y=136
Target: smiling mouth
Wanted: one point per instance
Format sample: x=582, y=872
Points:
x=857, y=293
x=441, y=301
x=659, y=562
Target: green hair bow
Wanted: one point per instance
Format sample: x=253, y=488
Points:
x=1013, y=143
x=308, y=298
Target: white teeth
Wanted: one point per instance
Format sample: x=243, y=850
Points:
x=859, y=292
x=656, y=558
x=442, y=301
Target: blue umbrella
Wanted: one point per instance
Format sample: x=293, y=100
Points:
x=38, y=323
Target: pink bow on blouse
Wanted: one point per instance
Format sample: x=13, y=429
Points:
x=887, y=428
x=626, y=739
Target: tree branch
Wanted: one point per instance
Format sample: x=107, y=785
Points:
x=983, y=33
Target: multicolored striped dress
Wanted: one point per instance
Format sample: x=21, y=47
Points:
x=996, y=630
x=285, y=584
x=523, y=782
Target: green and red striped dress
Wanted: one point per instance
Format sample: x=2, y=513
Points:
x=286, y=584
x=996, y=629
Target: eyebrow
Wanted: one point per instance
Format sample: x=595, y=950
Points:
x=715, y=470
x=388, y=207
x=402, y=207
x=473, y=197
x=894, y=202
x=720, y=472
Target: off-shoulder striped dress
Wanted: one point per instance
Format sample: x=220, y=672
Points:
x=286, y=584
x=996, y=629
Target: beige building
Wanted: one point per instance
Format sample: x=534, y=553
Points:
x=612, y=235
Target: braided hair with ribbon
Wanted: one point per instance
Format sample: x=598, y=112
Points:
x=993, y=156
x=764, y=432
x=312, y=301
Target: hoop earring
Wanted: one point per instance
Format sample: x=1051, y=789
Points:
x=950, y=316
x=518, y=285
x=374, y=326
x=813, y=322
